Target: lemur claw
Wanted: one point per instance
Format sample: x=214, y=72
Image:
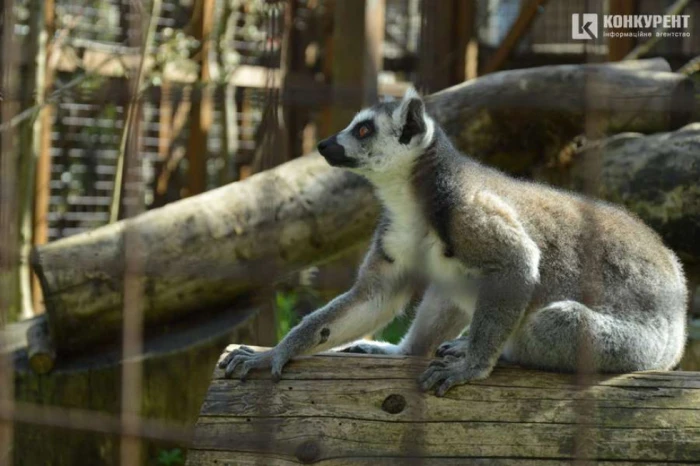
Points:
x=456, y=348
x=449, y=372
x=248, y=359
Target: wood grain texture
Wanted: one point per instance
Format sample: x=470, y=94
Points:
x=335, y=409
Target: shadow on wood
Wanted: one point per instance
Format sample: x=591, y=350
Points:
x=338, y=409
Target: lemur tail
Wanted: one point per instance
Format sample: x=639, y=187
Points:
x=567, y=335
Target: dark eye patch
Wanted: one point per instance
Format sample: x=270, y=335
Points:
x=358, y=131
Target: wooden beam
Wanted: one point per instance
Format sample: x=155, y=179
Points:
x=464, y=26
x=292, y=64
x=375, y=11
x=244, y=108
x=9, y=246
x=324, y=126
x=165, y=121
x=642, y=49
x=528, y=12
x=43, y=165
x=201, y=111
x=447, y=29
x=472, y=60
x=357, y=32
x=619, y=47
x=102, y=63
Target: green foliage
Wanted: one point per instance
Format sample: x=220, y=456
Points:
x=393, y=332
x=285, y=302
x=172, y=457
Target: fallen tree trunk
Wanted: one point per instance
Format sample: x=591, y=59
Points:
x=519, y=120
x=207, y=250
x=335, y=409
x=203, y=251
x=655, y=176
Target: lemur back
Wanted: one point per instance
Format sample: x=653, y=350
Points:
x=535, y=275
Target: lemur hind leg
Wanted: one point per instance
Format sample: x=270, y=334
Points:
x=552, y=337
x=437, y=319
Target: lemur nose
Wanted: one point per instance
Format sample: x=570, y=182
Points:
x=323, y=145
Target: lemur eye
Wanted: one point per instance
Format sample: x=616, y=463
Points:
x=363, y=131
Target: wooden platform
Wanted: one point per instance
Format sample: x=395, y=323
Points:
x=337, y=409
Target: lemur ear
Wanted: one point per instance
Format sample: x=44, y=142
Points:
x=411, y=115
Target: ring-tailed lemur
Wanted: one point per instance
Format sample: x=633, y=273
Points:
x=535, y=273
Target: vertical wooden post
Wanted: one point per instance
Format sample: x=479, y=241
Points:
x=9, y=297
x=463, y=27
x=468, y=40
x=201, y=111
x=292, y=67
x=324, y=125
x=446, y=32
x=375, y=12
x=229, y=122
x=243, y=101
x=32, y=90
x=43, y=166
x=129, y=204
x=165, y=120
x=358, y=31
x=436, y=42
x=619, y=47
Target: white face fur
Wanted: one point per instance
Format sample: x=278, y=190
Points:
x=382, y=139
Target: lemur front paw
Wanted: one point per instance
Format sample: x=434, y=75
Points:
x=456, y=348
x=371, y=348
x=448, y=372
x=248, y=359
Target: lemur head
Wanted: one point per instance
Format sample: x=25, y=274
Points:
x=381, y=138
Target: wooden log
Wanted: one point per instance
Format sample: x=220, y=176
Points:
x=519, y=120
x=213, y=248
x=337, y=409
x=71, y=416
x=203, y=251
x=655, y=176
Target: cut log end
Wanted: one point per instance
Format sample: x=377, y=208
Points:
x=682, y=104
x=40, y=350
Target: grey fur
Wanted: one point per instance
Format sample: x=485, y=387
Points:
x=540, y=276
